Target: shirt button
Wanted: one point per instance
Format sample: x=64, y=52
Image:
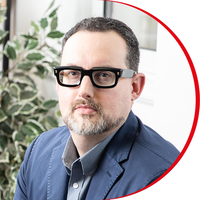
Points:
x=75, y=185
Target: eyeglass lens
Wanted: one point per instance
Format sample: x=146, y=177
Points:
x=103, y=78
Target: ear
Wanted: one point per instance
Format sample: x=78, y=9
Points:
x=138, y=83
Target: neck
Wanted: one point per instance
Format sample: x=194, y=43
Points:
x=85, y=143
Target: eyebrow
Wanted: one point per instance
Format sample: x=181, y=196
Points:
x=98, y=66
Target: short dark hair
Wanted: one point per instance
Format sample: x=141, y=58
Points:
x=103, y=24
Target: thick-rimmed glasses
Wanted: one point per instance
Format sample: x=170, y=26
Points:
x=101, y=77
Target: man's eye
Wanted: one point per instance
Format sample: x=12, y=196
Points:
x=73, y=73
x=103, y=75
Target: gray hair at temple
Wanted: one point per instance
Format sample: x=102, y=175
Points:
x=102, y=24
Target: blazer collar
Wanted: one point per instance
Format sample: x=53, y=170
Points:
x=117, y=151
x=121, y=144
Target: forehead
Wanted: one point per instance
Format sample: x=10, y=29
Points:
x=94, y=48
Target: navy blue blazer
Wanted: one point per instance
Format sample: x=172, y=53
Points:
x=134, y=158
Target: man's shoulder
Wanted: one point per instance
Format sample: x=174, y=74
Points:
x=143, y=142
x=56, y=133
x=148, y=142
x=151, y=155
x=47, y=141
x=52, y=137
x=156, y=146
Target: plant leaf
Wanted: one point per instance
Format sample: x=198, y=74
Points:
x=32, y=44
x=51, y=122
x=11, y=149
x=36, y=27
x=54, y=51
x=51, y=5
x=3, y=142
x=19, y=77
x=41, y=71
x=5, y=101
x=28, y=95
x=25, y=66
x=54, y=23
x=17, y=136
x=17, y=44
x=36, y=125
x=53, y=13
x=28, y=109
x=29, y=37
x=14, y=90
x=52, y=64
x=6, y=128
x=26, y=43
x=14, y=109
x=58, y=113
x=3, y=34
x=43, y=23
x=4, y=157
x=3, y=116
x=55, y=34
x=28, y=130
x=3, y=83
x=49, y=104
x=10, y=52
x=34, y=56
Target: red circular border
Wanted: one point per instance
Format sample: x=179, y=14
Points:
x=196, y=85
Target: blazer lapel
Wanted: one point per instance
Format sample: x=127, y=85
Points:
x=57, y=175
x=104, y=178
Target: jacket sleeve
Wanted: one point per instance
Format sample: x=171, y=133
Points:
x=21, y=188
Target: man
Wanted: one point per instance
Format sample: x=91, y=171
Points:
x=104, y=151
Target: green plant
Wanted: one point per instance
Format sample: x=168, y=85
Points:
x=24, y=112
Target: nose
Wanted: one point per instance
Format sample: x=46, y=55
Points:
x=86, y=89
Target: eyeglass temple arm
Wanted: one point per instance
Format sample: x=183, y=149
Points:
x=55, y=71
x=128, y=73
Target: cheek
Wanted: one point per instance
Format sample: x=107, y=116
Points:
x=66, y=98
x=118, y=104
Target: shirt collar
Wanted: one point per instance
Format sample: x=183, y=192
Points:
x=89, y=160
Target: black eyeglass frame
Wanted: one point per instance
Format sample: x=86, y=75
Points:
x=126, y=73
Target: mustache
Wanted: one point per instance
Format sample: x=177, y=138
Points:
x=88, y=102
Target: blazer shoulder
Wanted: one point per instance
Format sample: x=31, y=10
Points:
x=157, y=145
x=46, y=141
x=53, y=136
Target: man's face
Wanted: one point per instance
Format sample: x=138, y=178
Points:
x=88, y=110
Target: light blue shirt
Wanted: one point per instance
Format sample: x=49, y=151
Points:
x=81, y=169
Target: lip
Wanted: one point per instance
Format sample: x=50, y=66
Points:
x=85, y=109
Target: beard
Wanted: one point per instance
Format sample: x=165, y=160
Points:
x=85, y=124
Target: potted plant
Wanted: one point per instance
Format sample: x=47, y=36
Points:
x=24, y=112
